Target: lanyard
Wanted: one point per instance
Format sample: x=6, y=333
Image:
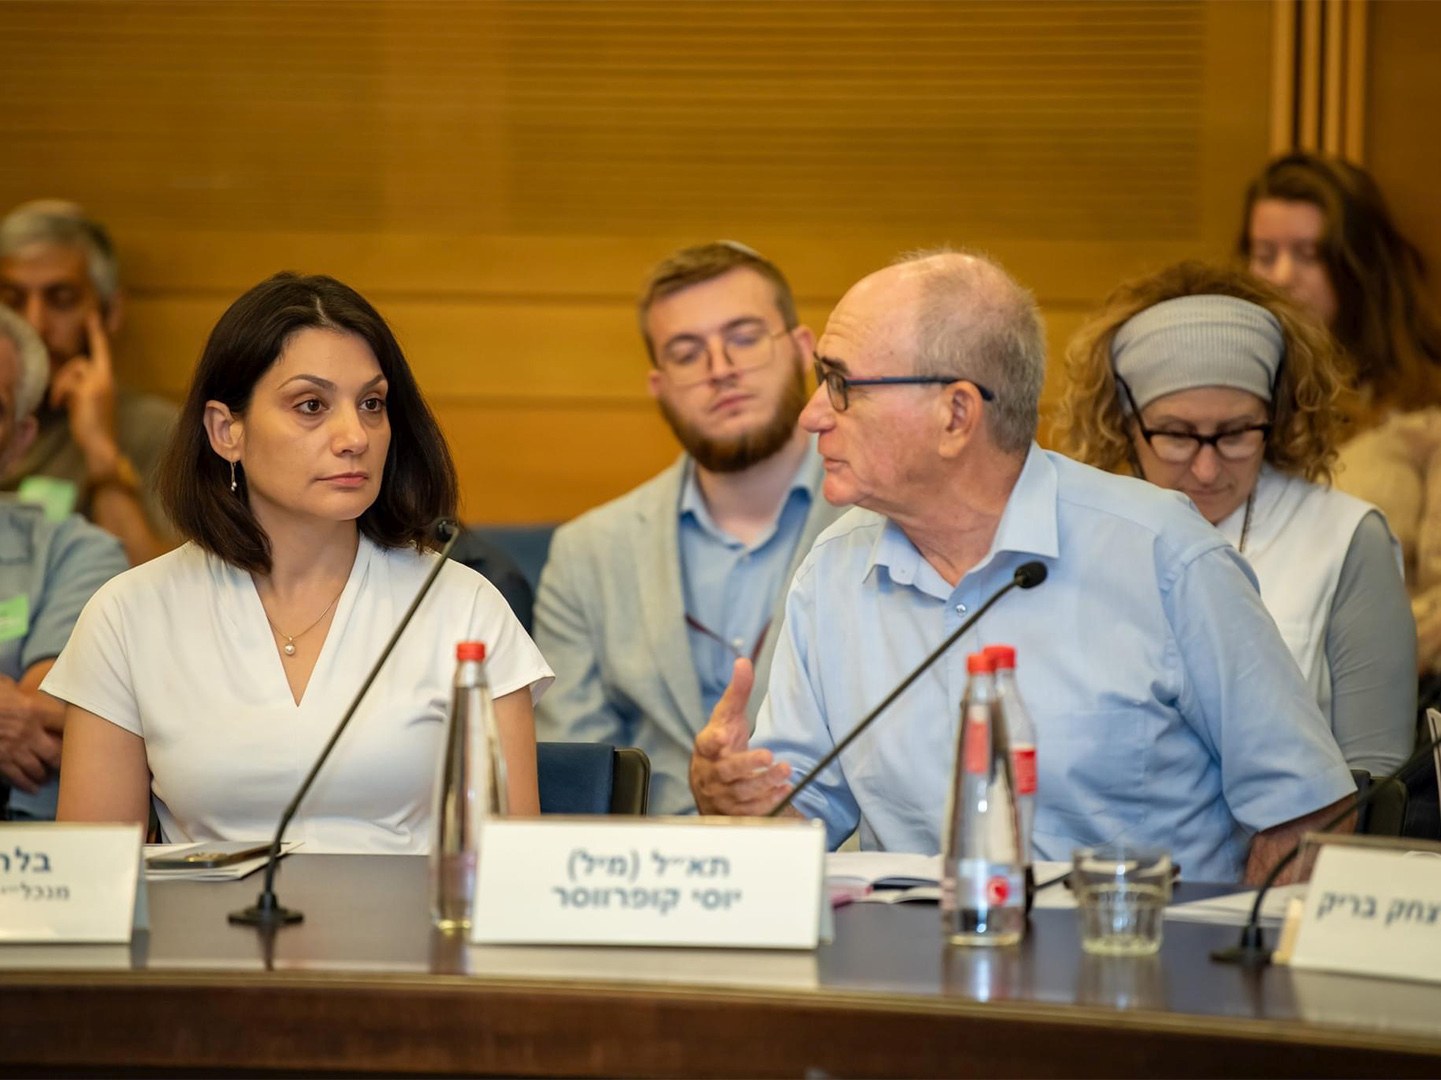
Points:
x=696, y=624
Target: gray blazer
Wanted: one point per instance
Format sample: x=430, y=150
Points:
x=610, y=621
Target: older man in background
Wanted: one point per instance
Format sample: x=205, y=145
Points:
x=48, y=570
x=1168, y=709
x=98, y=445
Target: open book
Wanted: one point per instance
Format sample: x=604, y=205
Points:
x=882, y=869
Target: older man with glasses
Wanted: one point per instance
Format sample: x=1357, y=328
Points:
x=646, y=601
x=1168, y=709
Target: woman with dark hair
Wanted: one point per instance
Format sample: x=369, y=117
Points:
x=306, y=472
x=1205, y=380
x=1318, y=229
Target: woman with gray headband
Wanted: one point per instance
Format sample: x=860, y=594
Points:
x=1207, y=381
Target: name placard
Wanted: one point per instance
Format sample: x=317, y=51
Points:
x=1373, y=908
x=71, y=883
x=726, y=882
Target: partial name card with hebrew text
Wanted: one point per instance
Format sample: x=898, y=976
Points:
x=1373, y=908
x=731, y=883
x=63, y=883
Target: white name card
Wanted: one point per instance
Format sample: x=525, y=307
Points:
x=71, y=883
x=1373, y=909
x=733, y=883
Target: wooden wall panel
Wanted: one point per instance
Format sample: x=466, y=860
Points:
x=576, y=268
x=511, y=452
x=498, y=176
x=459, y=348
x=1403, y=99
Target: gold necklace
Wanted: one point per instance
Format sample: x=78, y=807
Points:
x=289, y=647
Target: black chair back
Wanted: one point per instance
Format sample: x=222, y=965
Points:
x=1386, y=813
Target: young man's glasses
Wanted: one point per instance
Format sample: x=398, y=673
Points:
x=745, y=345
x=838, y=386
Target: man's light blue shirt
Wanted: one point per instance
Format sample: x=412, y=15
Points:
x=1168, y=709
x=730, y=587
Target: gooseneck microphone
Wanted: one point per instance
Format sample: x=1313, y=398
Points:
x=1027, y=576
x=267, y=911
x=1251, y=950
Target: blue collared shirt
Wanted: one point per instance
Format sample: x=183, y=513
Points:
x=730, y=587
x=1168, y=710
x=51, y=569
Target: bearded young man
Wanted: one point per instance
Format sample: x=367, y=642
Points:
x=646, y=602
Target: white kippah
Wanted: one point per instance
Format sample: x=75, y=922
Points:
x=1199, y=341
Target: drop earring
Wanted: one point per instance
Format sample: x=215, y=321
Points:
x=232, y=476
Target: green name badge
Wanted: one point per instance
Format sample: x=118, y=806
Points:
x=54, y=496
x=14, y=617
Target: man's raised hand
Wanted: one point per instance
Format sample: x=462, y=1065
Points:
x=726, y=776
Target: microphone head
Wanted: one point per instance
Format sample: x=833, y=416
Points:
x=445, y=528
x=1029, y=575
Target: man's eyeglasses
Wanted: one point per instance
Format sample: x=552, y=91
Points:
x=838, y=386
x=747, y=345
x=1181, y=447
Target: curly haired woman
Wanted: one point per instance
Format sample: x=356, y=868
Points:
x=1207, y=381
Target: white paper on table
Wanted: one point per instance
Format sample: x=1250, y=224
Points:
x=1234, y=909
x=233, y=872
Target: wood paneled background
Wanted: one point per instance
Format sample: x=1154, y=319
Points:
x=498, y=177
x=1403, y=119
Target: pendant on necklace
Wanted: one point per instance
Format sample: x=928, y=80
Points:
x=289, y=647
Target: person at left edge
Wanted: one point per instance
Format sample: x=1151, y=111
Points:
x=48, y=570
x=307, y=473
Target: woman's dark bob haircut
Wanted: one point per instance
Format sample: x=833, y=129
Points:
x=418, y=484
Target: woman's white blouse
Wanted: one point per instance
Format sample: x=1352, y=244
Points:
x=178, y=651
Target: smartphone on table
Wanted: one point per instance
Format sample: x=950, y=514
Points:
x=209, y=856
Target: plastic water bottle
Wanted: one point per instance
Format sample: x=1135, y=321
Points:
x=469, y=788
x=1022, y=732
x=982, y=876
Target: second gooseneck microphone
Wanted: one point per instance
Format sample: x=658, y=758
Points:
x=1027, y=576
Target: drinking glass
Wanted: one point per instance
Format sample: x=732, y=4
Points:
x=1121, y=891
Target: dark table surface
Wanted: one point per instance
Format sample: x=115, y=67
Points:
x=364, y=984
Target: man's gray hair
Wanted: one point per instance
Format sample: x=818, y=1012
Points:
x=33, y=362
x=64, y=224
x=979, y=323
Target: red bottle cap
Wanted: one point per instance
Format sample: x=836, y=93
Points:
x=1003, y=657
x=470, y=650
x=979, y=663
